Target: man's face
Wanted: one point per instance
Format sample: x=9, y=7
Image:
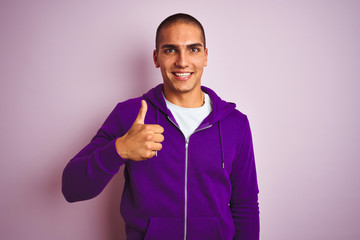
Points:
x=181, y=57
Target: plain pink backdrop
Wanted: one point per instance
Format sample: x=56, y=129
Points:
x=292, y=66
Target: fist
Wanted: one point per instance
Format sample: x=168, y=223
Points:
x=142, y=141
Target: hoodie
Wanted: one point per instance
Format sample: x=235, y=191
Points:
x=203, y=187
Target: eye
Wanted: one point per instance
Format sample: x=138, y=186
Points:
x=194, y=49
x=169, y=50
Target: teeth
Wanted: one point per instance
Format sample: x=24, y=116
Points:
x=182, y=74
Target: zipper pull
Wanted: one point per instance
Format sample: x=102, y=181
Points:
x=186, y=143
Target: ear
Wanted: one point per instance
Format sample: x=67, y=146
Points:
x=155, y=55
x=206, y=57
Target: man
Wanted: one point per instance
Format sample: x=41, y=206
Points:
x=188, y=155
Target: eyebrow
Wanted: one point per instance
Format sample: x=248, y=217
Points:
x=176, y=46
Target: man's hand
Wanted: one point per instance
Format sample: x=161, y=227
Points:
x=142, y=140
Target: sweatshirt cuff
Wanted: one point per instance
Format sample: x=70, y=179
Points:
x=108, y=158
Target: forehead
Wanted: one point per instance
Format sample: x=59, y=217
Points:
x=181, y=34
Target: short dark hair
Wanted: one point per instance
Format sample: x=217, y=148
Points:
x=176, y=18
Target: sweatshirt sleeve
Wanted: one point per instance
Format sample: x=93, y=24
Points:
x=244, y=198
x=87, y=174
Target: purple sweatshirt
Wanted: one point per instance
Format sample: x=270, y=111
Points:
x=204, y=187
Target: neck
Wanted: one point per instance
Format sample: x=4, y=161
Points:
x=192, y=99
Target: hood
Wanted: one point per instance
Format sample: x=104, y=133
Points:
x=220, y=108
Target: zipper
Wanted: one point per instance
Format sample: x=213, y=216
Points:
x=186, y=176
x=186, y=185
x=186, y=171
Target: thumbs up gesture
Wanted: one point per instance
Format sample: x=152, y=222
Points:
x=142, y=141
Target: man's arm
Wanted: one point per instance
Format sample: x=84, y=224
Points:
x=244, y=198
x=87, y=174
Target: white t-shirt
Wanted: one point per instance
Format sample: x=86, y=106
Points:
x=189, y=119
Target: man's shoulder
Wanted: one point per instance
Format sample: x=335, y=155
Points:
x=126, y=111
x=131, y=102
x=236, y=119
x=238, y=114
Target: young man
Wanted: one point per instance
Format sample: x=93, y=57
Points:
x=188, y=155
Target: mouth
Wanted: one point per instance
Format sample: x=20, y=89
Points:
x=182, y=76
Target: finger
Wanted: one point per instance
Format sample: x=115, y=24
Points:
x=157, y=147
x=158, y=129
x=158, y=138
x=154, y=128
x=152, y=154
x=142, y=113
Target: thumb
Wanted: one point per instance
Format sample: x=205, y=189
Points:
x=142, y=113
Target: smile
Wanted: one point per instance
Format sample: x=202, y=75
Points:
x=182, y=74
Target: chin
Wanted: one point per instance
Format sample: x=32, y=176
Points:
x=183, y=89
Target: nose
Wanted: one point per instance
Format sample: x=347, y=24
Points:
x=182, y=59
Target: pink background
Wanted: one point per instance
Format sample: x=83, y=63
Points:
x=292, y=66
